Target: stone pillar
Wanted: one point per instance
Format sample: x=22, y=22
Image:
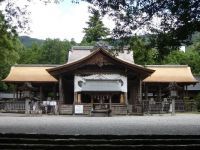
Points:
x=27, y=106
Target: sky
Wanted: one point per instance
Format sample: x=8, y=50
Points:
x=64, y=21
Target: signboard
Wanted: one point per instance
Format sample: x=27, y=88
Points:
x=78, y=109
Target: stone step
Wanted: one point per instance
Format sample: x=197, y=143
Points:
x=31, y=141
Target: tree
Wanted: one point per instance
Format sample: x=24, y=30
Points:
x=9, y=46
x=191, y=57
x=142, y=52
x=178, y=17
x=95, y=30
x=30, y=55
x=171, y=22
x=54, y=51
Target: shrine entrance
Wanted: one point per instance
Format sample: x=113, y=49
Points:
x=101, y=97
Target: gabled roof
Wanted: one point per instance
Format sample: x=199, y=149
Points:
x=79, y=52
x=30, y=73
x=170, y=73
x=71, y=65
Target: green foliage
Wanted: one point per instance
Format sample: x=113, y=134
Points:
x=179, y=18
x=54, y=51
x=30, y=55
x=51, y=51
x=142, y=52
x=95, y=30
x=9, y=46
x=190, y=57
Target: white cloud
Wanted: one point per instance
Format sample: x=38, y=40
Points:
x=64, y=21
x=56, y=21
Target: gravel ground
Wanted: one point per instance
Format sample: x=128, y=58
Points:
x=180, y=124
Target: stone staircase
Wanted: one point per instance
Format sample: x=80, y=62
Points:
x=98, y=142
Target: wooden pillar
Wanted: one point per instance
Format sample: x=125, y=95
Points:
x=140, y=95
x=61, y=97
x=14, y=92
x=41, y=92
x=187, y=90
x=75, y=98
x=75, y=102
x=140, y=91
x=126, y=98
x=159, y=93
x=17, y=96
x=110, y=102
x=54, y=92
x=20, y=95
x=79, y=98
x=122, y=96
x=92, y=101
x=146, y=92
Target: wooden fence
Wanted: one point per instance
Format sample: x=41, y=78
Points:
x=12, y=106
x=165, y=107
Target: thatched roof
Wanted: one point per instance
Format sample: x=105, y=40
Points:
x=170, y=73
x=30, y=73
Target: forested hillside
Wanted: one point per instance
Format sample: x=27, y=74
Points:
x=28, y=41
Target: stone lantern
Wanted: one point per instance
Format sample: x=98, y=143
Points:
x=173, y=89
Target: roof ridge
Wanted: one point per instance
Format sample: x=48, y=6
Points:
x=168, y=66
x=36, y=65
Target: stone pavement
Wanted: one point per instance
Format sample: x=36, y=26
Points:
x=180, y=124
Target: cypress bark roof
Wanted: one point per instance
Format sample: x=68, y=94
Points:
x=29, y=73
x=170, y=73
